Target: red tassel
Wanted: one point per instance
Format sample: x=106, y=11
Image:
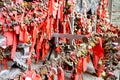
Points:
x=61, y=9
x=50, y=9
x=60, y=73
x=41, y=25
x=43, y=52
x=47, y=45
x=23, y=36
x=81, y=77
x=105, y=3
x=17, y=29
x=38, y=55
x=99, y=29
x=39, y=45
x=55, y=9
x=29, y=62
x=5, y=63
x=38, y=77
x=45, y=48
x=58, y=49
x=84, y=60
x=98, y=50
x=9, y=36
x=99, y=11
x=67, y=27
x=41, y=40
x=74, y=75
x=58, y=16
x=13, y=51
x=95, y=61
x=103, y=15
x=55, y=24
x=81, y=21
x=34, y=35
x=48, y=27
x=80, y=66
x=99, y=70
x=88, y=58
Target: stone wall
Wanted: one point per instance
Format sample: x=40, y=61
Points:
x=115, y=15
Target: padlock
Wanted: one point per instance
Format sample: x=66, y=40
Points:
x=43, y=70
x=93, y=41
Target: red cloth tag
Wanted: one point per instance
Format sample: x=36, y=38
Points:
x=74, y=75
x=61, y=10
x=98, y=50
x=60, y=73
x=88, y=58
x=84, y=60
x=17, y=29
x=95, y=61
x=99, y=70
x=13, y=51
x=80, y=66
x=9, y=36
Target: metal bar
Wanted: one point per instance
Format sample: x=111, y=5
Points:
x=110, y=9
x=69, y=36
x=115, y=11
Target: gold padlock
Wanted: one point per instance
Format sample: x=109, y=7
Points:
x=79, y=54
x=43, y=70
x=92, y=44
x=95, y=40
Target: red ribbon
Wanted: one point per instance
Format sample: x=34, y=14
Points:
x=23, y=36
x=5, y=63
x=95, y=61
x=84, y=60
x=61, y=2
x=11, y=40
x=13, y=51
x=80, y=66
x=9, y=36
x=60, y=73
x=99, y=70
x=98, y=50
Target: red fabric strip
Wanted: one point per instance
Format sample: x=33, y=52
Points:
x=13, y=51
x=80, y=66
x=60, y=73
x=84, y=60
x=9, y=36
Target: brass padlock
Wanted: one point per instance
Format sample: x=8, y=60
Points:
x=95, y=40
x=79, y=54
x=92, y=44
x=43, y=70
